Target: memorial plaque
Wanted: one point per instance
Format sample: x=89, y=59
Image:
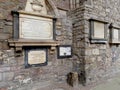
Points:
x=36, y=57
x=64, y=51
x=35, y=27
x=116, y=34
x=99, y=30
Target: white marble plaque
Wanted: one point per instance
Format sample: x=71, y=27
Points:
x=65, y=51
x=99, y=30
x=115, y=34
x=33, y=27
x=36, y=57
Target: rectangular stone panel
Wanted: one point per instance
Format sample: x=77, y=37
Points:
x=99, y=30
x=115, y=37
x=115, y=34
x=36, y=57
x=35, y=27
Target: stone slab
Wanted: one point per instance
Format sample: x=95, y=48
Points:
x=35, y=27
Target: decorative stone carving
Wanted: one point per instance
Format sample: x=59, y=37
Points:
x=37, y=6
x=34, y=24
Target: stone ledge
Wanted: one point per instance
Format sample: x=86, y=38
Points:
x=19, y=43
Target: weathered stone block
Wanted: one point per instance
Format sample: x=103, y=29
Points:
x=8, y=76
x=88, y=52
x=4, y=69
x=95, y=52
x=4, y=36
x=99, y=58
x=8, y=29
x=5, y=45
x=10, y=52
x=11, y=60
x=58, y=32
x=103, y=47
x=5, y=56
x=20, y=60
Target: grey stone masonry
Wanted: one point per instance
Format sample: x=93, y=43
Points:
x=101, y=61
x=92, y=62
x=13, y=74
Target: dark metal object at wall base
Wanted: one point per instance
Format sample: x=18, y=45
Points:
x=75, y=78
x=72, y=78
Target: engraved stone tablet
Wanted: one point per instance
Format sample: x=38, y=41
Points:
x=98, y=30
x=115, y=34
x=35, y=27
x=36, y=57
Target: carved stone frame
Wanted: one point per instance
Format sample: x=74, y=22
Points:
x=92, y=29
x=19, y=43
x=112, y=40
x=27, y=49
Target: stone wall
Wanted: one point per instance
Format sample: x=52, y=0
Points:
x=79, y=42
x=62, y=4
x=93, y=62
x=101, y=60
x=13, y=74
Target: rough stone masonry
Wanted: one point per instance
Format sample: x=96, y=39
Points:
x=93, y=62
x=100, y=61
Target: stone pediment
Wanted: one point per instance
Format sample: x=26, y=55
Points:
x=45, y=7
x=36, y=6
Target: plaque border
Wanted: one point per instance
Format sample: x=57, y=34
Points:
x=66, y=56
x=16, y=19
x=27, y=49
x=111, y=28
x=91, y=32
